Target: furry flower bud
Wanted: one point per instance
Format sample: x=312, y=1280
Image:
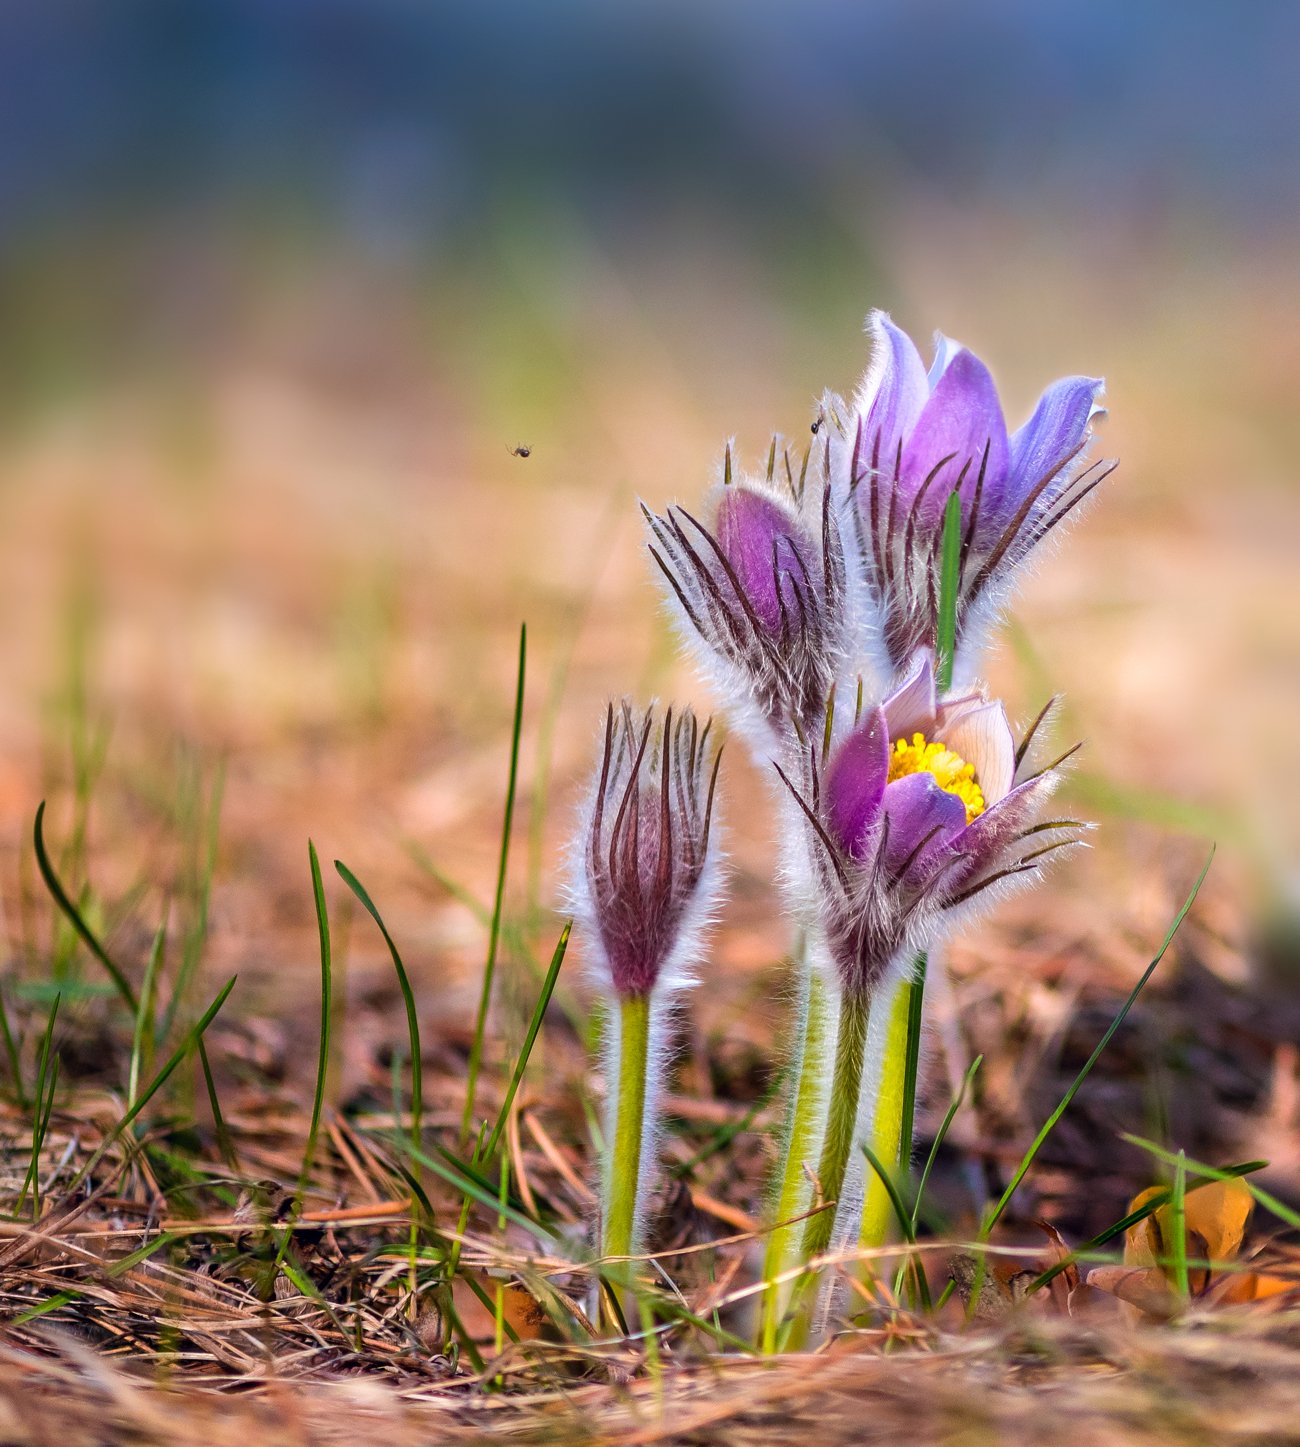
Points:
x=645, y=877
x=913, y=438
x=924, y=807
x=760, y=593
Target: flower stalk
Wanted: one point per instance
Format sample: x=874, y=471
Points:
x=800, y=1146
x=889, y=1139
x=644, y=883
x=624, y=1174
x=841, y=1118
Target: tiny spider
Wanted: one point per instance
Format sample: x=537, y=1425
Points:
x=521, y=451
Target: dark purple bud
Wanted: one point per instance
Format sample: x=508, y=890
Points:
x=645, y=878
x=760, y=591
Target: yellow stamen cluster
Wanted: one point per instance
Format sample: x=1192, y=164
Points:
x=951, y=772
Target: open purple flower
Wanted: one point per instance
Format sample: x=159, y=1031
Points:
x=925, y=806
x=760, y=593
x=644, y=877
x=914, y=438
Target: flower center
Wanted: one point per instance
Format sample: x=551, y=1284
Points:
x=951, y=772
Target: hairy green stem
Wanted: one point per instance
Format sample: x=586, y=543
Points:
x=800, y=1146
x=841, y=1118
x=624, y=1163
x=889, y=1122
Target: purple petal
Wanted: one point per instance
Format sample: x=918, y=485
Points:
x=855, y=782
x=991, y=835
x=923, y=821
x=750, y=526
x=962, y=417
x=1058, y=426
x=892, y=397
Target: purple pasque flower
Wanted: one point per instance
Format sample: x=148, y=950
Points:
x=644, y=878
x=915, y=437
x=759, y=589
x=927, y=805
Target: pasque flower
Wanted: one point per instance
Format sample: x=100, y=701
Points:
x=644, y=883
x=927, y=805
x=759, y=589
x=911, y=439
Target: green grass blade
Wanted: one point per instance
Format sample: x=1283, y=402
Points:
x=912, y=1061
x=1102, y=1239
x=142, y=1034
x=73, y=914
x=189, y=1043
x=1049, y=1125
x=494, y=933
x=1133, y=1218
x=967, y=1081
x=903, y=1216
x=1214, y=1173
x=485, y=1194
x=225, y=1143
x=202, y=870
x=1178, y=1222
x=949, y=586
x=534, y=1026
x=11, y=1051
x=326, y=1015
x=408, y=1001
x=41, y=1114
x=945, y=643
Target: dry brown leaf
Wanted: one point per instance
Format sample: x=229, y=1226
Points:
x=521, y=1310
x=1215, y=1215
x=1064, y=1284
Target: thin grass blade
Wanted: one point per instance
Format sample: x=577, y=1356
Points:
x=494, y=933
x=1049, y=1125
x=534, y=1026
x=949, y=586
x=73, y=914
x=188, y=1044
x=408, y=1000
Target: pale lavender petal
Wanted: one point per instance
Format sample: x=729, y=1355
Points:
x=892, y=397
x=962, y=417
x=912, y=706
x=750, y=525
x=855, y=783
x=982, y=736
x=923, y=820
x=1059, y=424
x=945, y=349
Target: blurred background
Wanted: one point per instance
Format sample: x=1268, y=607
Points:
x=285, y=283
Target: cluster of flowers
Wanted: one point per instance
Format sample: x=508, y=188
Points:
x=901, y=812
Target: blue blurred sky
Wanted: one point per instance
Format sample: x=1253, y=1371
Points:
x=401, y=123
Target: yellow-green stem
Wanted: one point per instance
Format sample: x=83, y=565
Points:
x=841, y=1118
x=623, y=1185
x=799, y=1148
x=887, y=1119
